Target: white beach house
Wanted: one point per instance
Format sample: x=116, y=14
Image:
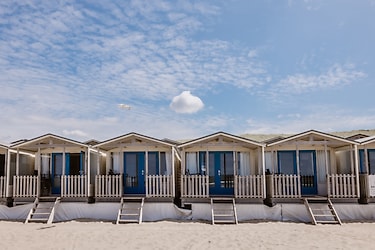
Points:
x=221, y=168
x=60, y=168
x=312, y=163
x=135, y=165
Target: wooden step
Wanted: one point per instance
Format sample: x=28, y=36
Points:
x=131, y=209
x=43, y=210
x=223, y=210
x=317, y=214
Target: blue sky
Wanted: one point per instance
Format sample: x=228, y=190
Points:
x=186, y=68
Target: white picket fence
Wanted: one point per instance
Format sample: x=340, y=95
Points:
x=159, y=186
x=250, y=186
x=108, y=186
x=3, y=186
x=74, y=186
x=25, y=186
x=194, y=186
x=342, y=186
x=286, y=186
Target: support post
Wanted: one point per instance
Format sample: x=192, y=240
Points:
x=90, y=187
x=264, y=173
x=356, y=168
x=38, y=181
x=364, y=189
x=9, y=192
x=269, y=190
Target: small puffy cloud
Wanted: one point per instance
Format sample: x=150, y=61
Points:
x=186, y=103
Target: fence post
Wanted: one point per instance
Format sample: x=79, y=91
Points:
x=363, y=187
x=269, y=190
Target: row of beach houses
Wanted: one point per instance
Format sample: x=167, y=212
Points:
x=219, y=177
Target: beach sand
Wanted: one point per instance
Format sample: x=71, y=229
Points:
x=185, y=235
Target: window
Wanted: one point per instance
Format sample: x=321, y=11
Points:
x=243, y=163
x=157, y=163
x=196, y=163
x=287, y=162
x=2, y=164
x=370, y=161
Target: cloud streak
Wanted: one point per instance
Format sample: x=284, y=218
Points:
x=336, y=76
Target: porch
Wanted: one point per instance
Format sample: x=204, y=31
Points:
x=245, y=187
x=339, y=186
x=112, y=186
x=29, y=186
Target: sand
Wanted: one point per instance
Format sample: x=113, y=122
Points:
x=185, y=235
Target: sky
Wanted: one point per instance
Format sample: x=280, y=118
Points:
x=184, y=69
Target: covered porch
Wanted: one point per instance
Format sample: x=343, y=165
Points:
x=134, y=165
x=312, y=164
x=58, y=168
x=223, y=165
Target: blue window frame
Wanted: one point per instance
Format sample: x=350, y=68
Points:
x=370, y=161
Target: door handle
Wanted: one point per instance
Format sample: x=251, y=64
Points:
x=143, y=172
x=219, y=173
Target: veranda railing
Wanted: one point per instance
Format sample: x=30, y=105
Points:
x=250, y=186
x=159, y=186
x=286, y=186
x=74, y=186
x=194, y=186
x=108, y=186
x=342, y=186
x=25, y=186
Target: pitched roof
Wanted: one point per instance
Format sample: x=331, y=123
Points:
x=46, y=140
x=227, y=135
x=313, y=133
x=130, y=135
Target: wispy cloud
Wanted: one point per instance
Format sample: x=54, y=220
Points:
x=326, y=119
x=336, y=76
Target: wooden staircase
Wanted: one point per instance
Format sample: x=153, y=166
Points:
x=43, y=210
x=321, y=211
x=223, y=210
x=131, y=210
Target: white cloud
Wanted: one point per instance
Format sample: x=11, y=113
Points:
x=326, y=120
x=75, y=133
x=335, y=76
x=186, y=103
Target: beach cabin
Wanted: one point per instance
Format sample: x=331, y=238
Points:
x=312, y=164
x=367, y=168
x=59, y=168
x=221, y=168
x=135, y=169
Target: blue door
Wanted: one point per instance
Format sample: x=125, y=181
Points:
x=134, y=173
x=57, y=171
x=287, y=162
x=221, y=173
x=307, y=169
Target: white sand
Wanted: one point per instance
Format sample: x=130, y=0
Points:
x=185, y=235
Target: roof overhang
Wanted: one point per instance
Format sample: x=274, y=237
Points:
x=47, y=141
x=314, y=137
x=123, y=140
x=233, y=138
x=367, y=140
